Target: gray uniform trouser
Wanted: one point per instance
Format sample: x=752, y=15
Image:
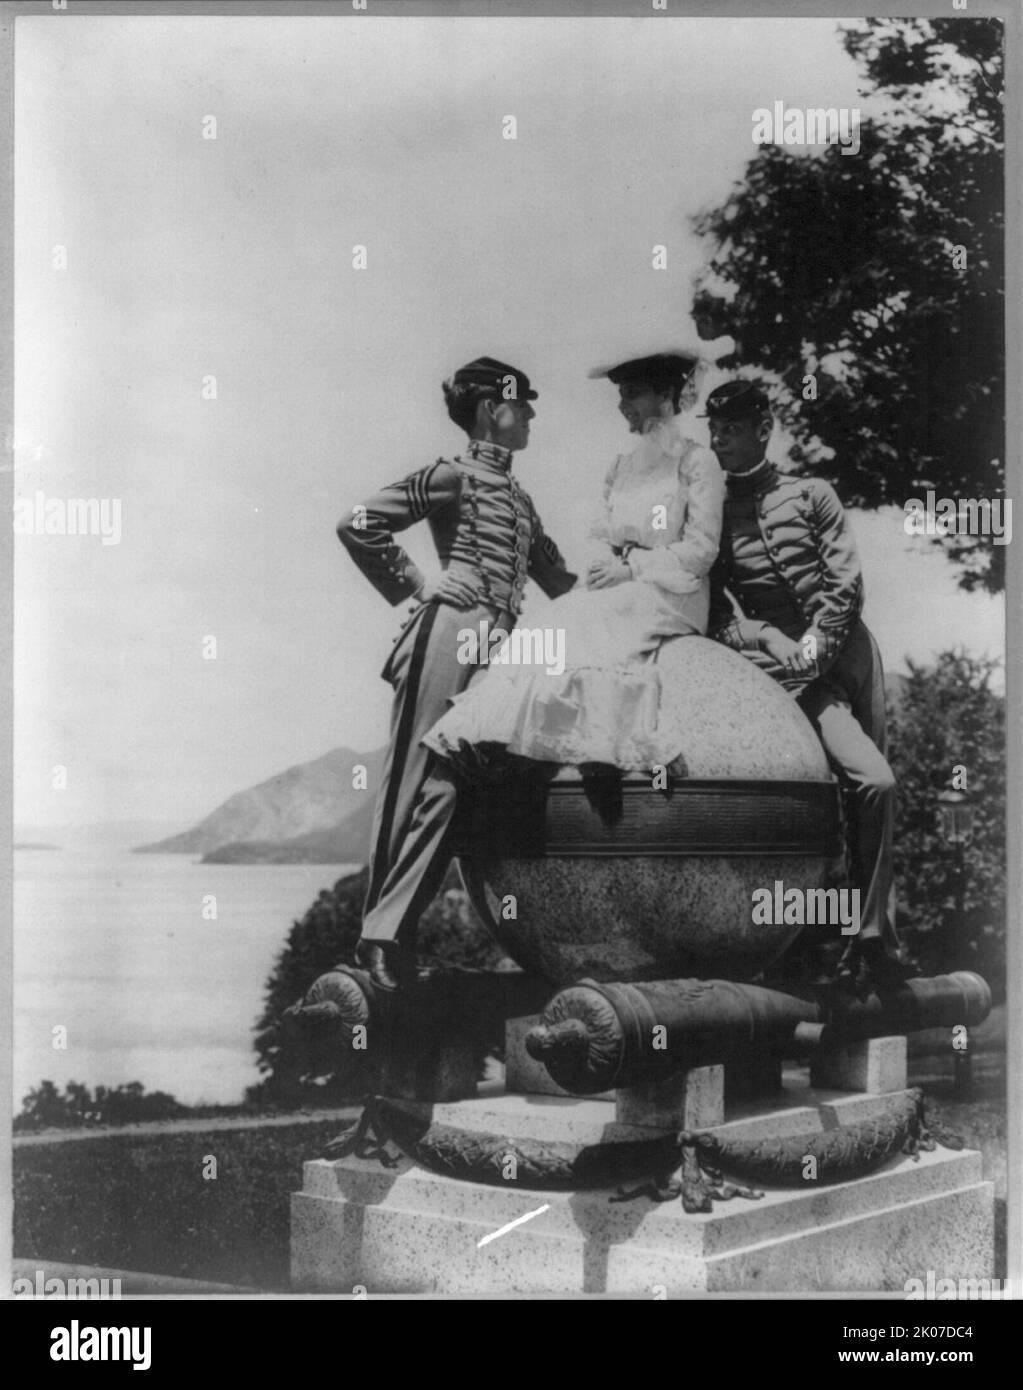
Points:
x=416, y=802
x=846, y=706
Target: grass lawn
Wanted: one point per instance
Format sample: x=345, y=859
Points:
x=142, y=1203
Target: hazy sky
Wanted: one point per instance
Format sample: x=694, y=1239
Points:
x=233, y=257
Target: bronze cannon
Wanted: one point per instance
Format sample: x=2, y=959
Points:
x=596, y=1037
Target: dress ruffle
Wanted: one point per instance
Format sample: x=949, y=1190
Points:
x=589, y=714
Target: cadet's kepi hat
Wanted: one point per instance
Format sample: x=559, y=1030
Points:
x=492, y=376
x=737, y=400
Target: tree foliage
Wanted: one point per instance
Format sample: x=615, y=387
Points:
x=450, y=933
x=45, y=1107
x=845, y=267
x=947, y=717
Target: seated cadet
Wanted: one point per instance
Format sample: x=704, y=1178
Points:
x=489, y=540
x=788, y=560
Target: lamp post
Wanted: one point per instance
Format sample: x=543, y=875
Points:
x=955, y=825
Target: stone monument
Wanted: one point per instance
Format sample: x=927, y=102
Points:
x=670, y=1121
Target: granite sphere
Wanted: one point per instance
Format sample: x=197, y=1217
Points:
x=631, y=902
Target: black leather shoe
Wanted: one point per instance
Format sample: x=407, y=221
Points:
x=380, y=962
x=867, y=968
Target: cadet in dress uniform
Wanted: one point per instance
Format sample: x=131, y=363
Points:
x=788, y=559
x=489, y=540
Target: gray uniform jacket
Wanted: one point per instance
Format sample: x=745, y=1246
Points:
x=484, y=525
x=788, y=557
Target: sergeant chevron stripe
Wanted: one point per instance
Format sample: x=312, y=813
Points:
x=417, y=489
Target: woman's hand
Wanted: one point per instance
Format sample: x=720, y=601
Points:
x=786, y=651
x=604, y=573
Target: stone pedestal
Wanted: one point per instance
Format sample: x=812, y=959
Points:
x=407, y=1229
x=876, y=1065
x=689, y=1100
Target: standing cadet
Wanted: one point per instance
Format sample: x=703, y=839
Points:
x=489, y=540
x=788, y=559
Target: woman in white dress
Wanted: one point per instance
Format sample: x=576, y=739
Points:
x=653, y=544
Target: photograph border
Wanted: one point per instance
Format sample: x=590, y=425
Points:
x=1010, y=12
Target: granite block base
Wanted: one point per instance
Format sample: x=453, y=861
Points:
x=358, y=1225
x=874, y=1065
x=693, y=1099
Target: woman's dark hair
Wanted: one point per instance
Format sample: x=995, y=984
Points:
x=676, y=396
x=662, y=387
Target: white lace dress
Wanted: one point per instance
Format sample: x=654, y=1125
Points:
x=663, y=502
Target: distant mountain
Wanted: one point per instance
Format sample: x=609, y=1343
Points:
x=347, y=842
x=307, y=814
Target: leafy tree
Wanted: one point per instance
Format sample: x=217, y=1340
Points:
x=449, y=933
x=880, y=274
x=45, y=1107
x=948, y=716
x=42, y=1108
x=326, y=935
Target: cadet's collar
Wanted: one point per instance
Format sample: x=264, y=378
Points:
x=753, y=480
x=483, y=451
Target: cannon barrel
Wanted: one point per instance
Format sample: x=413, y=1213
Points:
x=425, y=1042
x=596, y=1037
